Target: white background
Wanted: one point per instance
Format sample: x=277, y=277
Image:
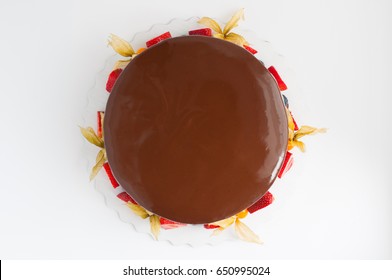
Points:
x=335, y=202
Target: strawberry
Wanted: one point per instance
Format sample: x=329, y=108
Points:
x=249, y=49
x=168, y=224
x=282, y=86
x=158, y=39
x=99, y=123
x=114, y=182
x=287, y=163
x=266, y=200
x=209, y=226
x=126, y=197
x=112, y=79
x=295, y=123
x=203, y=32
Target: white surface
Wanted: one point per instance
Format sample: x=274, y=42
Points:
x=334, y=204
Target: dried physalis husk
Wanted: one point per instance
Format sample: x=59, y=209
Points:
x=233, y=22
x=236, y=39
x=308, y=130
x=92, y=137
x=301, y=132
x=245, y=233
x=224, y=223
x=155, y=225
x=100, y=160
x=209, y=22
x=217, y=231
x=225, y=34
x=242, y=230
x=138, y=210
x=120, y=46
x=121, y=64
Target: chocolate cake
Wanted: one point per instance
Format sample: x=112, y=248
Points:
x=195, y=129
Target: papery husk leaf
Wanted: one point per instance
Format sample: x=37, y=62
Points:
x=217, y=231
x=101, y=154
x=224, y=223
x=120, y=46
x=233, y=22
x=209, y=22
x=308, y=130
x=236, y=39
x=299, y=144
x=291, y=134
x=219, y=36
x=91, y=136
x=155, y=226
x=245, y=233
x=138, y=210
x=100, y=160
x=121, y=64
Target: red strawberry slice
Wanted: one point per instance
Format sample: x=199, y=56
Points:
x=281, y=84
x=126, y=197
x=114, y=182
x=295, y=123
x=158, y=39
x=209, y=226
x=168, y=224
x=203, y=32
x=99, y=123
x=266, y=200
x=112, y=79
x=249, y=49
x=287, y=163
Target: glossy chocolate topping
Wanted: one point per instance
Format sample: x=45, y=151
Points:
x=195, y=129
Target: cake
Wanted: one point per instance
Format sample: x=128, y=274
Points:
x=188, y=144
x=195, y=130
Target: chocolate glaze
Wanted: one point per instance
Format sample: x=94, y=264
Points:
x=195, y=129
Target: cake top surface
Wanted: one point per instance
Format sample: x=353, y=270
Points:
x=195, y=129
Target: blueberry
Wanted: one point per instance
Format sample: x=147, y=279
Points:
x=285, y=101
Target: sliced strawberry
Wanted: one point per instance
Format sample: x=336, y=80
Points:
x=209, y=226
x=287, y=163
x=158, y=39
x=99, y=123
x=168, y=224
x=203, y=32
x=295, y=123
x=249, y=49
x=112, y=79
x=281, y=84
x=114, y=182
x=126, y=197
x=266, y=200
